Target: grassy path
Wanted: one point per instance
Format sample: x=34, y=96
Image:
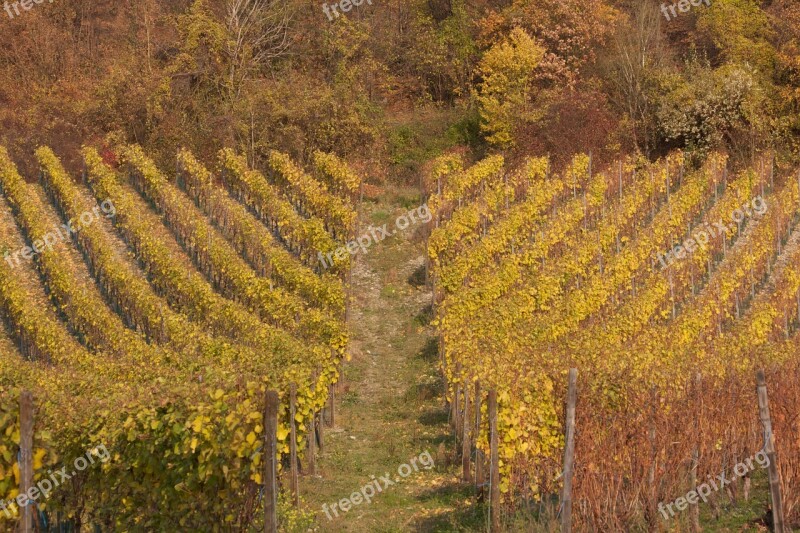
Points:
x=390, y=406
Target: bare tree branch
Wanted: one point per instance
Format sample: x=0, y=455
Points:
x=258, y=34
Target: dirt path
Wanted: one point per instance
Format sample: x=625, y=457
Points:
x=389, y=408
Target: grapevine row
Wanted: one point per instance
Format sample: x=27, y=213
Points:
x=500, y=237
x=464, y=227
x=661, y=290
x=312, y=196
x=462, y=185
x=122, y=282
x=254, y=242
x=184, y=288
x=305, y=237
x=581, y=303
x=220, y=261
x=76, y=298
x=337, y=174
x=491, y=284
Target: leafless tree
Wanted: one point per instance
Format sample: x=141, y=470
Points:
x=258, y=34
x=640, y=53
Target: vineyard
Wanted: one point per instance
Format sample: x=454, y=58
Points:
x=156, y=322
x=536, y=271
x=170, y=304
x=400, y=265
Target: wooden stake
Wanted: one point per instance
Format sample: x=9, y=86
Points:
x=271, y=463
x=456, y=411
x=312, y=430
x=651, y=473
x=331, y=405
x=466, y=443
x=769, y=449
x=320, y=422
x=26, y=420
x=479, y=460
x=494, y=466
x=312, y=445
x=694, y=510
x=569, y=452
x=294, y=485
x=349, y=291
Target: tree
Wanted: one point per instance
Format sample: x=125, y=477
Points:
x=634, y=70
x=741, y=33
x=506, y=70
x=718, y=107
x=570, y=31
x=257, y=34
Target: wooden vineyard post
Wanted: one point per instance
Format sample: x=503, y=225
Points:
x=332, y=405
x=295, y=486
x=442, y=358
x=494, y=467
x=479, y=462
x=569, y=452
x=271, y=462
x=312, y=435
x=459, y=413
x=466, y=444
x=26, y=458
x=312, y=446
x=769, y=449
x=651, y=472
x=318, y=423
x=316, y=426
x=349, y=289
x=455, y=406
x=454, y=409
x=694, y=510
